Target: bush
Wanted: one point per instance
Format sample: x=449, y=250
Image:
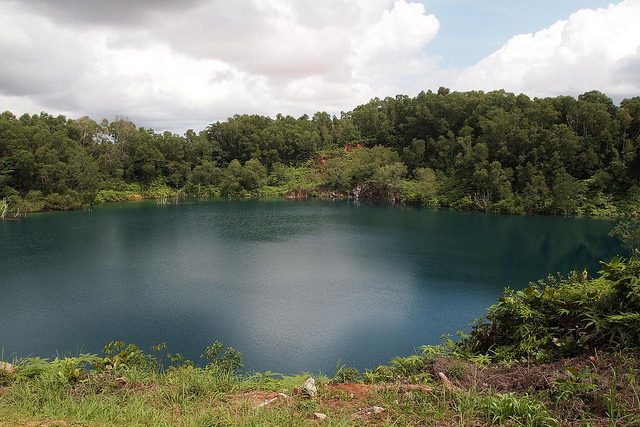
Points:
x=563, y=317
x=345, y=374
x=229, y=360
x=63, y=202
x=121, y=357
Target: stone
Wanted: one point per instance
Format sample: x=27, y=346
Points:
x=446, y=382
x=320, y=416
x=309, y=388
x=7, y=367
x=374, y=410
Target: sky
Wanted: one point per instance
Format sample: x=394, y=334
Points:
x=493, y=23
x=171, y=65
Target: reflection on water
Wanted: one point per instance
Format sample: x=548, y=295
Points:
x=293, y=285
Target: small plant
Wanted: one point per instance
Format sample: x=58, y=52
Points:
x=69, y=369
x=580, y=385
x=457, y=370
x=120, y=356
x=410, y=365
x=430, y=352
x=380, y=374
x=31, y=367
x=345, y=374
x=230, y=359
x=615, y=406
x=509, y=409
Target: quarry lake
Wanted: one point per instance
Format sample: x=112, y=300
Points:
x=294, y=286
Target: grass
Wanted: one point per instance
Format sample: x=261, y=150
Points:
x=599, y=391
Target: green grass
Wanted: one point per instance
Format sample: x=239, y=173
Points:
x=42, y=392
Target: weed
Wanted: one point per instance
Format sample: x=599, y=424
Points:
x=505, y=409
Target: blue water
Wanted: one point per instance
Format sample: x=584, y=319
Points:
x=295, y=286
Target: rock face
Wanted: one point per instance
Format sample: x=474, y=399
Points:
x=6, y=367
x=309, y=388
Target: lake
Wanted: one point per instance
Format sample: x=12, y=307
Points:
x=294, y=286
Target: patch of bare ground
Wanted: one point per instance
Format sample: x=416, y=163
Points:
x=588, y=384
x=606, y=373
x=358, y=401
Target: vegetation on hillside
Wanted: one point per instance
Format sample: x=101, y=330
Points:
x=491, y=151
x=561, y=352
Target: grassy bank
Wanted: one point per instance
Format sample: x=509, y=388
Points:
x=595, y=390
x=564, y=351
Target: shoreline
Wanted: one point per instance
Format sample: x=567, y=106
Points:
x=137, y=198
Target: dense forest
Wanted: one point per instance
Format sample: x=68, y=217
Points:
x=493, y=151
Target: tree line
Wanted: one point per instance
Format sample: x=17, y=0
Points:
x=493, y=151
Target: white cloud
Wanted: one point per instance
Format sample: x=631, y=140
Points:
x=171, y=67
x=175, y=69
x=389, y=54
x=592, y=49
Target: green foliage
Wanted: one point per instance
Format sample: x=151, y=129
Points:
x=32, y=367
x=580, y=385
x=345, y=374
x=509, y=409
x=409, y=365
x=60, y=370
x=494, y=151
x=563, y=316
x=69, y=369
x=372, y=173
x=410, y=368
x=628, y=231
x=121, y=357
x=421, y=191
x=228, y=359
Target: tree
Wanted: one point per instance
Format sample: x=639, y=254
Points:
x=565, y=194
x=628, y=231
x=537, y=196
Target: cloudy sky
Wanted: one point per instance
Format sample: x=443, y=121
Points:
x=173, y=65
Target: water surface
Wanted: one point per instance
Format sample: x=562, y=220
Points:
x=293, y=285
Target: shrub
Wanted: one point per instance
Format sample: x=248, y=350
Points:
x=345, y=374
x=121, y=357
x=563, y=316
x=229, y=360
